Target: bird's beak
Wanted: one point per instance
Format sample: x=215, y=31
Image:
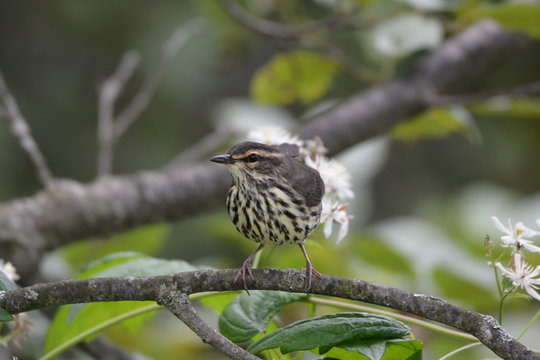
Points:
x=223, y=159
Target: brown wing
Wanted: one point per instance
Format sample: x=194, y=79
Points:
x=307, y=182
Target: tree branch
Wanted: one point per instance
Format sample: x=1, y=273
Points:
x=21, y=131
x=531, y=89
x=178, y=303
x=484, y=328
x=173, y=44
x=108, y=94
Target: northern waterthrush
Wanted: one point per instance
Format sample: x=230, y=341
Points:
x=274, y=200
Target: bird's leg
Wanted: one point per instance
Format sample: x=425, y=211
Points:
x=309, y=269
x=246, y=268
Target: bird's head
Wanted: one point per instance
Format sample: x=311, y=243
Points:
x=252, y=161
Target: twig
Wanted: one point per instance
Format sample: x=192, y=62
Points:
x=178, y=303
x=289, y=32
x=175, y=42
x=108, y=94
x=531, y=89
x=111, y=127
x=484, y=328
x=21, y=130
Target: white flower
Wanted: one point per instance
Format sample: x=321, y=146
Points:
x=336, y=177
x=313, y=148
x=273, y=135
x=523, y=276
x=517, y=235
x=335, y=213
x=8, y=269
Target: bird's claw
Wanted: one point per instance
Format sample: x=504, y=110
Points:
x=242, y=272
x=310, y=271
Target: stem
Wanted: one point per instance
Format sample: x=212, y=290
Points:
x=405, y=318
x=529, y=324
x=501, y=303
x=497, y=280
x=256, y=260
x=460, y=349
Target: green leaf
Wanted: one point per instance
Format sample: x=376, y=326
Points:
x=403, y=350
x=396, y=349
x=106, y=262
x=5, y=316
x=432, y=124
x=78, y=322
x=514, y=16
x=146, y=240
x=6, y=283
x=247, y=315
x=327, y=331
x=294, y=76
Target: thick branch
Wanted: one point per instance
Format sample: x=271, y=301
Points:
x=532, y=89
x=483, y=327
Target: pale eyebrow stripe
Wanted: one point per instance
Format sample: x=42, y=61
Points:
x=261, y=153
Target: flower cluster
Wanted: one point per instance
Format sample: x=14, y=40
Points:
x=337, y=179
x=518, y=238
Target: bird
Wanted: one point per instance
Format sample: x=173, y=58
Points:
x=274, y=199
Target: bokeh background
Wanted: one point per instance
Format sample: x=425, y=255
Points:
x=424, y=194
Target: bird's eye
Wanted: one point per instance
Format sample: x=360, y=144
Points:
x=252, y=158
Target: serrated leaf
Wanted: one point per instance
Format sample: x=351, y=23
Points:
x=327, y=331
x=432, y=124
x=6, y=283
x=5, y=316
x=514, y=16
x=294, y=76
x=247, y=315
x=72, y=320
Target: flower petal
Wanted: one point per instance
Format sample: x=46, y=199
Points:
x=500, y=226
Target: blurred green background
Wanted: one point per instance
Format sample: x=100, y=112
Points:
x=424, y=194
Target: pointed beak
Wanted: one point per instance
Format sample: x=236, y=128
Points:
x=223, y=159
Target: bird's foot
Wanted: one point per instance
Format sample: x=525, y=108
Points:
x=310, y=271
x=242, y=272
